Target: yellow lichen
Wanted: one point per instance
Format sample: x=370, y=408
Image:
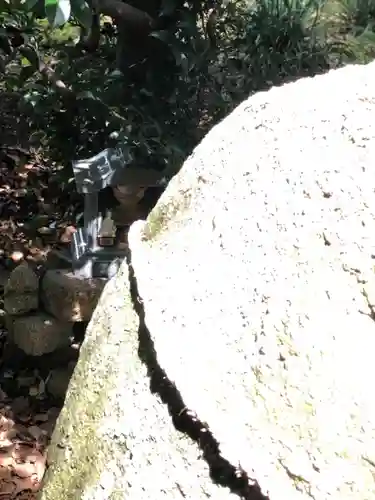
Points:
x=164, y=213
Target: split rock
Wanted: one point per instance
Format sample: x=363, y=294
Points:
x=233, y=358
x=255, y=272
x=114, y=438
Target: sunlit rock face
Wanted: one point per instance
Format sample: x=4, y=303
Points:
x=234, y=356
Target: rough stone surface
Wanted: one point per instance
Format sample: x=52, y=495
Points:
x=114, y=438
x=69, y=298
x=254, y=296
x=21, y=291
x=39, y=333
x=22, y=279
x=256, y=275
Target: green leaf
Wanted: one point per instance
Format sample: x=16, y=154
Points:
x=5, y=44
x=162, y=35
x=25, y=73
x=30, y=4
x=31, y=55
x=82, y=12
x=32, y=98
x=87, y=95
x=115, y=75
x=181, y=59
x=57, y=11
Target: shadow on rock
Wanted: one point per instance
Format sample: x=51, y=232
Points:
x=222, y=472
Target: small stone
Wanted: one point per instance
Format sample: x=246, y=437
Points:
x=39, y=334
x=36, y=432
x=20, y=404
x=21, y=292
x=21, y=280
x=68, y=297
x=21, y=304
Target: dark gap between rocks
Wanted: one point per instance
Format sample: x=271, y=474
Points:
x=222, y=472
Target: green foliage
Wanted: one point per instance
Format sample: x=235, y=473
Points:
x=169, y=87
x=271, y=42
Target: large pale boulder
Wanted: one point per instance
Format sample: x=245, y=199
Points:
x=115, y=438
x=251, y=323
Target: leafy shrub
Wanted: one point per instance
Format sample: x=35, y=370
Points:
x=192, y=68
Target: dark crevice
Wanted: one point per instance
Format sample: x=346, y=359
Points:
x=222, y=472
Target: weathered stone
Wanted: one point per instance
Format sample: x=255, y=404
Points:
x=21, y=292
x=38, y=334
x=69, y=298
x=121, y=441
x=253, y=271
x=250, y=326
x=21, y=280
x=21, y=304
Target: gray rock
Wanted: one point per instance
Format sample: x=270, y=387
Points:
x=69, y=298
x=21, y=291
x=250, y=326
x=21, y=280
x=19, y=304
x=39, y=333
